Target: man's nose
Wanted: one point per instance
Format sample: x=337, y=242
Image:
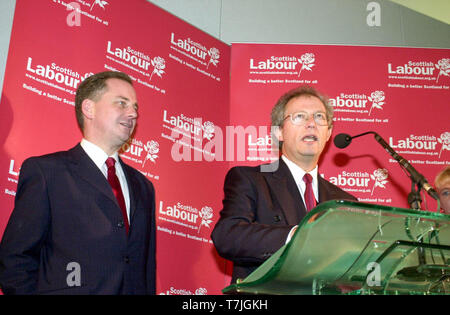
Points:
x=310, y=121
x=132, y=112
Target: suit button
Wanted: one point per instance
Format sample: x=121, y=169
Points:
x=120, y=224
x=277, y=218
x=126, y=259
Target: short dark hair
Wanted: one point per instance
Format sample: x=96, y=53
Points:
x=93, y=88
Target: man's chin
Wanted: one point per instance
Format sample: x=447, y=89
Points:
x=122, y=140
x=309, y=151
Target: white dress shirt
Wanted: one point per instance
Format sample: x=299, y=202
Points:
x=99, y=157
x=298, y=173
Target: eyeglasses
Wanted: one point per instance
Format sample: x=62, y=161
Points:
x=301, y=118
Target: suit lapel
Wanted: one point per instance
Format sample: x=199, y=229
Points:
x=285, y=191
x=132, y=185
x=325, y=193
x=83, y=167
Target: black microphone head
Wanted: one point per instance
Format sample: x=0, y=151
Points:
x=342, y=140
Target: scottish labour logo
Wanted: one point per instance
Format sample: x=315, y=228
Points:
x=307, y=61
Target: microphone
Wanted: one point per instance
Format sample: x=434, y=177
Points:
x=342, y=140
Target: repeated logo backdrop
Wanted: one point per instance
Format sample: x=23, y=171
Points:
x=194, y=123
x=401, y=93
x=181, y=76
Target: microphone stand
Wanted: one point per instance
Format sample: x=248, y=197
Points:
x=418, y=179
x=414, y=201
x=414, y=198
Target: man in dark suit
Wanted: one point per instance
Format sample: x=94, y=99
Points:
x=83, y=221
x=264, y=204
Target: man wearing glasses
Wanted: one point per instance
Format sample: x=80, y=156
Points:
x=263, y=205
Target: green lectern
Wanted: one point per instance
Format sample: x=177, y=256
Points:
x=345, y=247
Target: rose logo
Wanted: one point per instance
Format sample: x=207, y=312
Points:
x=445, y=140
x=101, y=3
x=379, y=176
x=444, y=67
x=208, y=130
x=201, y=291
x=206, y=215
x=159, y=64
x=306, y=60
x=377, y=99
x=214, y=55
x=152, y=148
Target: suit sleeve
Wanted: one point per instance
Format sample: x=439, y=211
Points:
x=240, y=235
x=20, y=248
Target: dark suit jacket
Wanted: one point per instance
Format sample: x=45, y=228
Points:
x=65, y=212
x=259, y=210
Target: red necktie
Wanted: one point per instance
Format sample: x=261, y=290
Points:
x=115, y=185
x=310, y=200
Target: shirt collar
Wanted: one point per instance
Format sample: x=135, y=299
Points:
x=298, y=172
x=97, y=155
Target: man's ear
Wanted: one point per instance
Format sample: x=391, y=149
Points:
x=330, y=131
x=278, y=132
x=88, y=108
